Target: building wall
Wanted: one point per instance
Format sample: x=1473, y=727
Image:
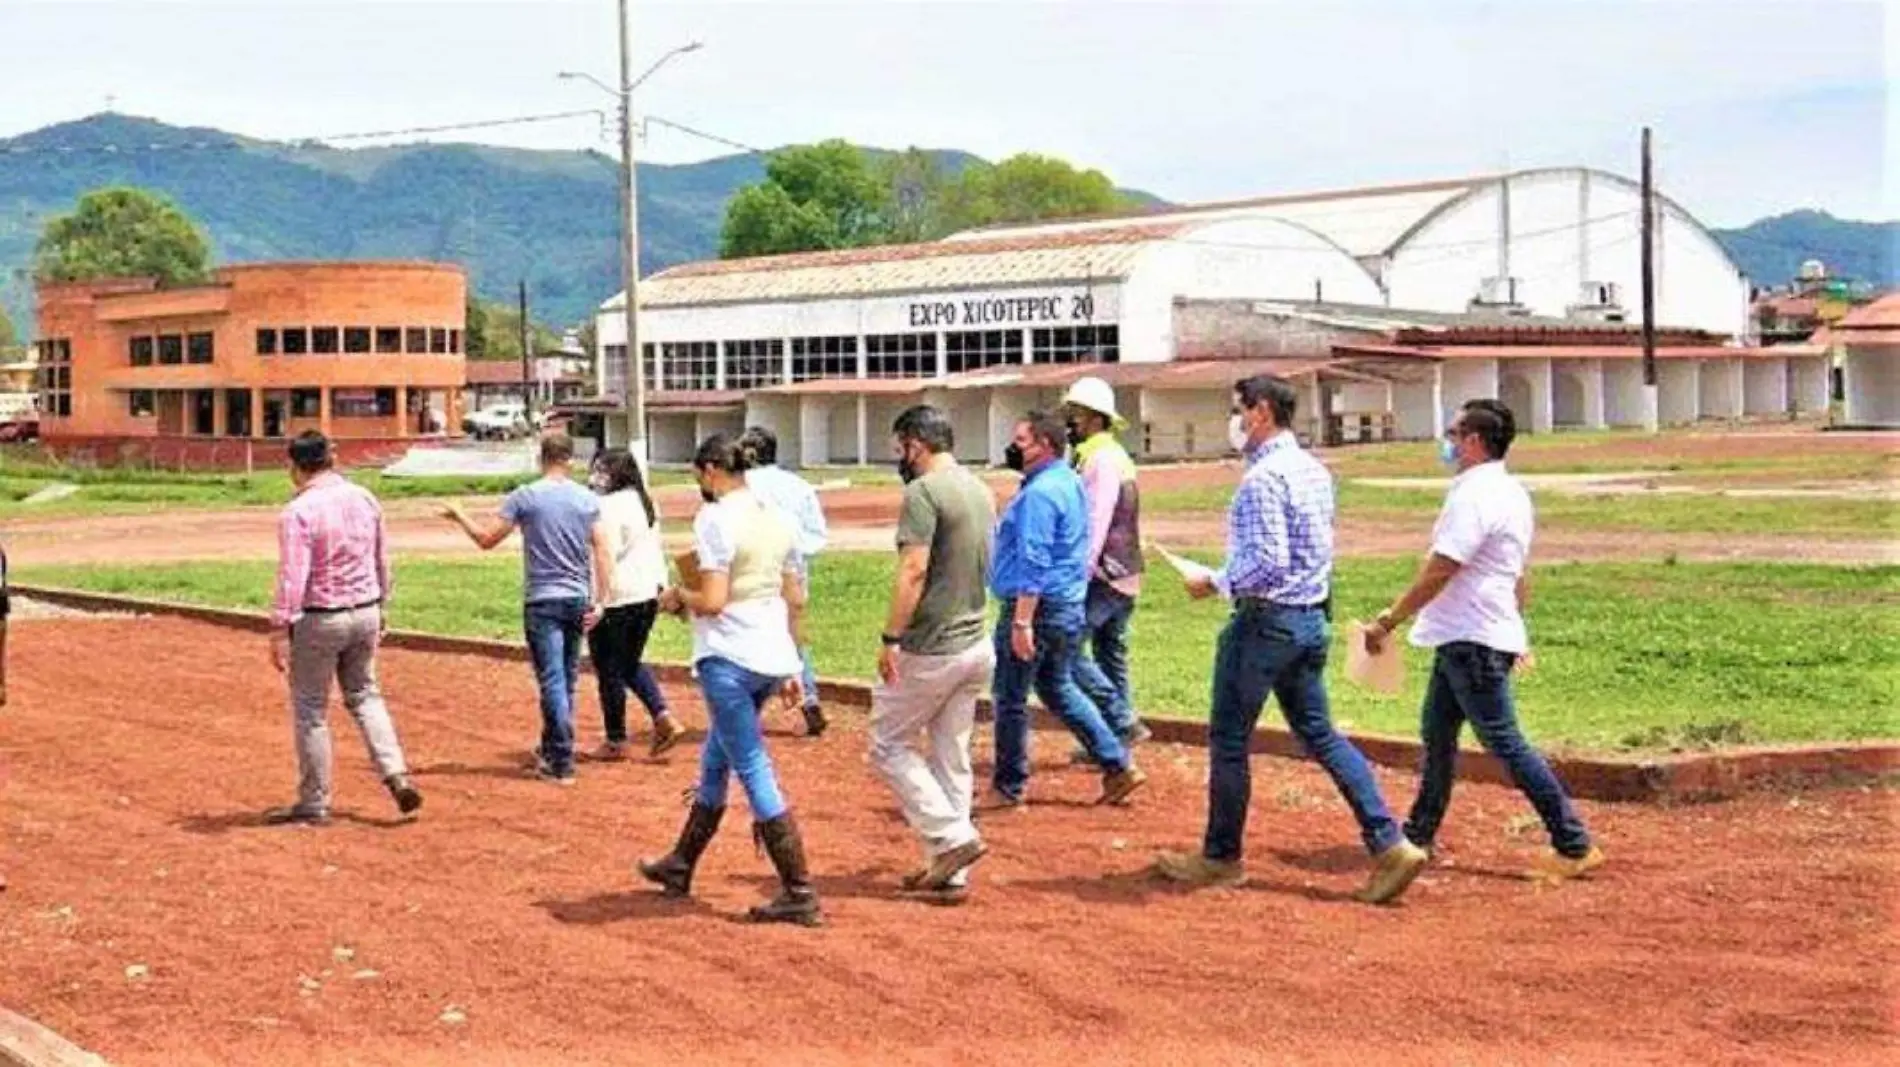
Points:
x=1568, y=227
x=1466, y=379
x=1765, y=386
x=1809, y=382
x=1872, y=384
x=1678, y=391
x=101, y=321
x=1622, y=392
x=1186, y=422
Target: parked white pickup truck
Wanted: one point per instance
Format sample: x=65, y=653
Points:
x=497, y=422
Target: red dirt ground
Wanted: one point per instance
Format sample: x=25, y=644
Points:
x=136, y=754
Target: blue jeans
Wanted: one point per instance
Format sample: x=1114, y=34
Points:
x=554, y=645
x=1472, y=682
x=1265, y=649
x=735, y=744
x=1103, y=672
x=1051, y=672
x=808, y=678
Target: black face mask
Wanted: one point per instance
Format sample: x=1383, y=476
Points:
x=1013, y=456
x=907, y=469
x=707, y=495
x=1076, y=435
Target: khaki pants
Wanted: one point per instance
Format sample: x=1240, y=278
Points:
x=340, y=645
x=920, y=741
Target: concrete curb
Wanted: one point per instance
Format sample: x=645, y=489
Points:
x=25, y=1043
x=1644, y=778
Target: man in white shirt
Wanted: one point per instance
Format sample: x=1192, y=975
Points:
x=1469, y=598
x=795, y=497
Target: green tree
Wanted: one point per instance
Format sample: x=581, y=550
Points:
x=475, y=329
x=1030, y=187
x=813, y=197
x=493, y=331
x=122, y=231
x=915, y=197
x=9, y=337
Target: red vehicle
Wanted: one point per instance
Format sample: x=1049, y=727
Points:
x=20, y=428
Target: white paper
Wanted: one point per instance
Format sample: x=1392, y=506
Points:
x=1188, y=569
x=1382, y=672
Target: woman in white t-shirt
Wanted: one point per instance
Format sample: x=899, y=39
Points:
x=744, y=610
x=618, y=643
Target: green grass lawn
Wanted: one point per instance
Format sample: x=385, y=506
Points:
x=1629, y=655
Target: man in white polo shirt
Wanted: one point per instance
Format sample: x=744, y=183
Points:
x=1469, y=598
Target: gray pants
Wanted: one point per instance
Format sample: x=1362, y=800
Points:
x=933, y=702
x=341, y=645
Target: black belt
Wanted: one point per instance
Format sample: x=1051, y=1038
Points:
x=339, y=611
x=1260, y=603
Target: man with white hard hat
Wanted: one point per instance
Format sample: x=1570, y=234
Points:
x=1114, y=552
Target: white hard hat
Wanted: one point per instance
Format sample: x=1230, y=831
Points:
x=1096, y=395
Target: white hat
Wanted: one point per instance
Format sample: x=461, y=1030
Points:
x=1096, y=395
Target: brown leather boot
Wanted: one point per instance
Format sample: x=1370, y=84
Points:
x=797, y=902
x=673, y=872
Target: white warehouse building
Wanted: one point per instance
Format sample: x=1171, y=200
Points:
x=1172, y=306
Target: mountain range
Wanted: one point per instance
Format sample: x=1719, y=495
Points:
x=547, y=216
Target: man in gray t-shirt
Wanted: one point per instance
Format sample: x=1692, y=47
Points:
x=566, y=568
x=936, y=657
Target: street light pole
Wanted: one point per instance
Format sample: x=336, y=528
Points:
x=630, y=252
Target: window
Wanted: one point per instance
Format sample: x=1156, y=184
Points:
x=296, y=341
x=323, y=340
x=141, y=351
x=198, y=348
x=56, y=378
x=306, y=403
x=614, y=380
x=900, y=355
x=755, y=364
x=362, y=403
x=356, y=339
x=648, y=369
x=171, y=350
x=140, y=403
x=824, y=357
x=267, y=342
x=977, y=349
x=417, y=340
x=1077, y=344
x=455, y=341
x=689, y=365
x=438, y=340
x=388, y=339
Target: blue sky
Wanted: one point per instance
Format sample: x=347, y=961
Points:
x=1759, y=105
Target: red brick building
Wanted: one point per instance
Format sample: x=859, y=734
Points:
x=370, y=353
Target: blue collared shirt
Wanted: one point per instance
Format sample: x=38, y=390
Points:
x=1042, y=541
x=1280, y=527
x=795, y=497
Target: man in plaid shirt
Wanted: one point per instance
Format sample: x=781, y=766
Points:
x=1278, y=575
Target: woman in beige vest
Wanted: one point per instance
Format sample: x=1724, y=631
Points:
x=744, y=611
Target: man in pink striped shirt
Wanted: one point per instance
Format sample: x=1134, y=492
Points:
x=327, y=619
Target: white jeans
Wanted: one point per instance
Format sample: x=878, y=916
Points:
x=934, y=699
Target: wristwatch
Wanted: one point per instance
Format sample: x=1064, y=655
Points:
x=891, y=640
x=1018, y=624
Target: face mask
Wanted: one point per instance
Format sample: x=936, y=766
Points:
x=906, y=468
x=1237, y=435
x=1448, y=452
x=707, y=494
x=1076, y=436
x=1013, y=456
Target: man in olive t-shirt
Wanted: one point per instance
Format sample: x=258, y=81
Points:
x=936, y=656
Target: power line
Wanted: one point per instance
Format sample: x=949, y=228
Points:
x=703, y=135
x=480, y=124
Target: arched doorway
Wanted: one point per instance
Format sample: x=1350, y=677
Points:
x=1515, y=391
x=1566, y=399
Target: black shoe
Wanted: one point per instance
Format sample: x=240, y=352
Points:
x=815, y=721
x=797, y=901
x=408, y=797
x=296, y=816
x=673, y=872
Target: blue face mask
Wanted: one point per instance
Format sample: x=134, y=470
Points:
x=1448, y=452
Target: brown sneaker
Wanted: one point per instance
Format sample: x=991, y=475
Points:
x=1555, y=868
x=609, y=752
x=995, y=800
x=1118, y=786
x=1397, y=866
x=947, y=864
x=666, y=733
x=1192, y=868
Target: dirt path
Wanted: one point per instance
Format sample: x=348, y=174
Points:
x=1750, y=932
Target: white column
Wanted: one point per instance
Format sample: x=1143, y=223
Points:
x=864, y=427
x=719, y=366
x=1029, y=351
x=1737, y=390
x=1543, y=413
x=942, y=358
x=786, y=359
x=1002, y=423
x=1438, y=400
x=1593, y=373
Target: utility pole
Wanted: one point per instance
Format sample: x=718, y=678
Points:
x=527, y=360
x=630, y=251
x=1652, y=409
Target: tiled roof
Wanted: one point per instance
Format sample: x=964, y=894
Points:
x=1027, y=259
x=1557, y=351
x=1882, y=314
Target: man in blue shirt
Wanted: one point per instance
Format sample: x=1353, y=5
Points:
x=1039, y=571
x=566, y=569
x=1278, y=574
x=795, y=497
